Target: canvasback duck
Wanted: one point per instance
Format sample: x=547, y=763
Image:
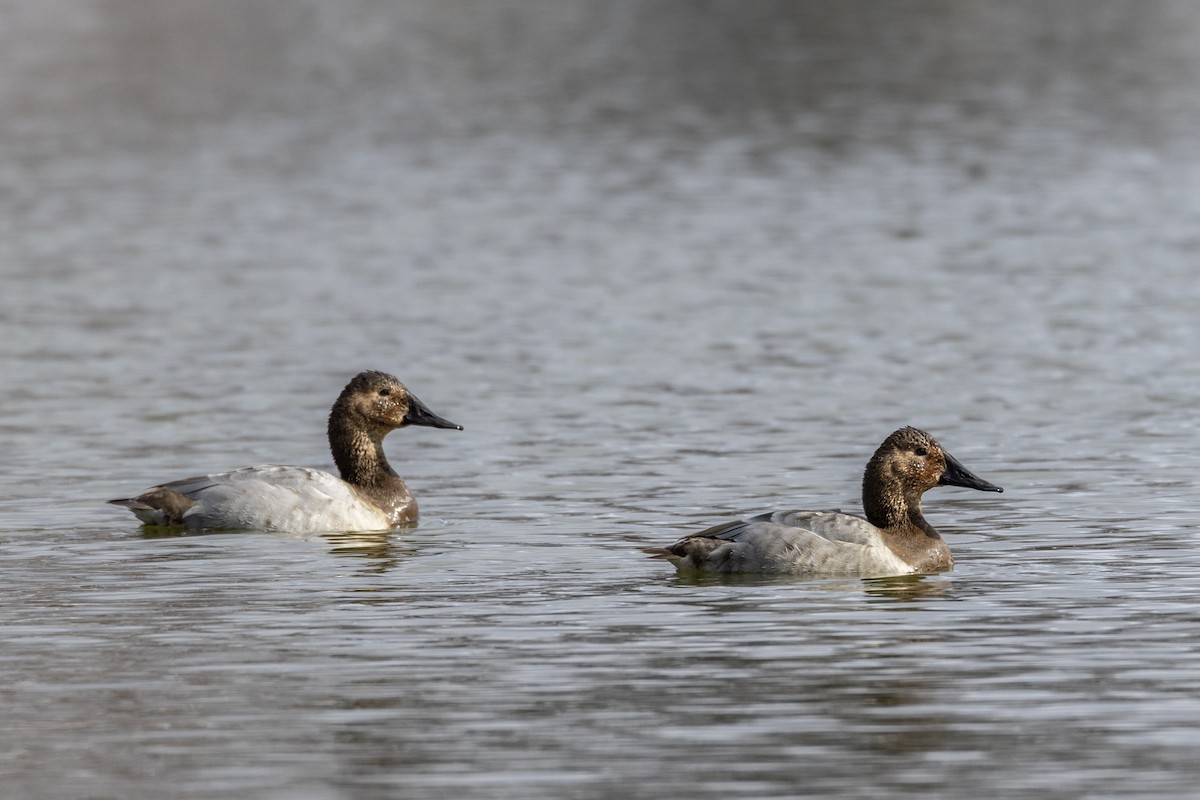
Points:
x=894, y=539
x=369, y=495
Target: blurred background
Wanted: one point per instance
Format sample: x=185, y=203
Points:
x=822, y=204
x=667, y=262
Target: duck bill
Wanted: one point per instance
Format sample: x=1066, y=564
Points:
x=419, y=414
x=958, y=475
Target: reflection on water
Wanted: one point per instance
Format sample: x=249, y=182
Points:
x=904, y=587
x=670, y=263
x=382, y=550
x=907, y=587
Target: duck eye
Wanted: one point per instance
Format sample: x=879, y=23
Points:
x=921, y=451
x=384, y=392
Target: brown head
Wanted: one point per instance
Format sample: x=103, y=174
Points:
x=909, y=463
x=378, y=403
x=372, y=405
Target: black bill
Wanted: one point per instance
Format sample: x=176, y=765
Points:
x=958, y=475
x=419, y=414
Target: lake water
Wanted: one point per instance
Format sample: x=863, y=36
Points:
x=668, y=263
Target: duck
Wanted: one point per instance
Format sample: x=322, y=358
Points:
x=368, y=495
x=893, y=538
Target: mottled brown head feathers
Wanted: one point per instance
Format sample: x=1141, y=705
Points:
x=372, y=405
x=373, y=401
x=906, y=465
x=909, y=463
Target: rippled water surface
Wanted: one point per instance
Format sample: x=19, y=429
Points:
x=668, y=263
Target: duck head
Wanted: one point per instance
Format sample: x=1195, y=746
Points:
x=377, y=402
x=909, y=463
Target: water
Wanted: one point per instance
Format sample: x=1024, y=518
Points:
x=668, y=263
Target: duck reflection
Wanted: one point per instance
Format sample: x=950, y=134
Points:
x=899, y=587
x=380, y=550
x=906, y=587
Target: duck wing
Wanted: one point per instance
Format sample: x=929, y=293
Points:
x=832, y=525
x=789, y=542
x=259, y=498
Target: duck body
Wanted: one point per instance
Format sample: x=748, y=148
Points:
x=269, y=498
x=793, y=543
x=369, y=495
x=893, y=539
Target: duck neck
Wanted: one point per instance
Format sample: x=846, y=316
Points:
x=916, y=543
x=358, y=453
x=888, y=507
x=898, y=515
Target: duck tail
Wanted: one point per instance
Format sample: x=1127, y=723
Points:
x=132, y=503
x=158, y=506
x=658, y=552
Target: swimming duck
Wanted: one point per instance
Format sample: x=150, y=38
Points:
x=369, y=495
x=894, y=539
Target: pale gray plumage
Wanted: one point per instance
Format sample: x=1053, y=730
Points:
x=368, y=496
x=269, y=498
x=894, y=539
x=797, y=543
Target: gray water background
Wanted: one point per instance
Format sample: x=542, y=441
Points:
x=668, y=263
